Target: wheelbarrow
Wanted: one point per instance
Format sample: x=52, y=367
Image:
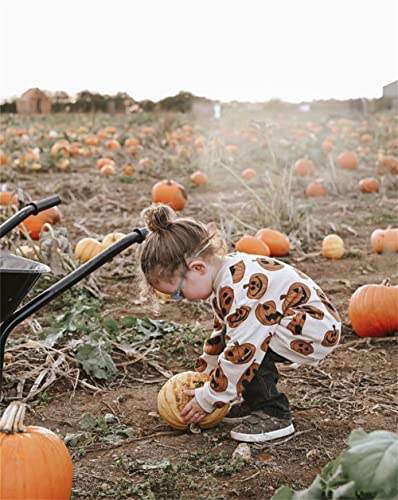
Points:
x=18, y=275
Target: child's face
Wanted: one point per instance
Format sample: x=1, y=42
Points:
x=194, y=283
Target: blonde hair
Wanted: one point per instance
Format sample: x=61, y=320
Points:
x=172, y=240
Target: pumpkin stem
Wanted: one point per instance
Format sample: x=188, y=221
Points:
x=386, y=282
x=12, y=419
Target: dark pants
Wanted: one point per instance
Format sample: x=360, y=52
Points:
x=262, y=394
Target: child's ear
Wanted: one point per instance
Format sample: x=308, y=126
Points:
x=199, y=266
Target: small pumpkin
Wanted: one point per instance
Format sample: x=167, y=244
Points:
x=373, y=310
x=111, y=238
x=369, y=185
x=87, y=248
x=170, y=193
x=387, y=165
x=384, y=239
x=277, y=242
x=304, y=167
x=199, y=178
x=248, y=173
x=108, y=169
x=327, y=145
x=333, y=247
x=172, y=400
x=347, y=160
x=34, y=223
x=7, y=198
x=112, y=145
x=315, y=190
x=252, y=245
x=128, y=170
x=104, y=161
x=35, y=463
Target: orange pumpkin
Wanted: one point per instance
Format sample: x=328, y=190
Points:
x=131, y=142
x=277, y=242
x=387, y=165
x=384, y=239
x=128, y=170
x=252, y=245
x=315, y=190
x=35, y=464
x=3, y=158
x=8, y=198
x=347, y=160
x=146, y=162
x=373, y=310
x=34, y=223
x=112, y=145
x=327, y=145
x=104, y=161
x=303, y=167
x=170, y=193
x=172, y=400
x=199, y=178
x=369, y=185
x=248, y=173
x=108, y=169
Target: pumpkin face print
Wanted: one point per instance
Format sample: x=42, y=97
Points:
x=266, y=342
x=314, y=312
x=226, y=298
x=200, y=365
x=329, y=306
x=297, y=323
x=237, y=271
x=246, y=377
x=302, y=347
x=239, y=316
x=297, y=294
x=257, y=286
x=216, y=309
x=331, y=337
x=240, y=354
x=267, y=314
x=269, y=264
x=218, y=381
x=214, y=345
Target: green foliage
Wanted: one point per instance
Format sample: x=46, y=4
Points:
x=92, y=336
x=102, y=429
x=368, y=470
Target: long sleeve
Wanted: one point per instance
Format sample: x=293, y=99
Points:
x=247, y=344
x=212, y=348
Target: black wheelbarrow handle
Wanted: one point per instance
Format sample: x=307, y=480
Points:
x=32, y=208
x=136, y=236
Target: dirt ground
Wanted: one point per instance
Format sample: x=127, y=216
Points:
x=354, y=387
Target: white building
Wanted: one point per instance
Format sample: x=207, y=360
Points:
x=391, y=90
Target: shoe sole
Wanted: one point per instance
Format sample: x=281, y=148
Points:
x=235, y=420
x=265, y=436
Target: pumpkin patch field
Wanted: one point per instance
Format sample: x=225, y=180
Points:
x=317, y=190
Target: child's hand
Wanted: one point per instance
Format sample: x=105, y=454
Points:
x=192, y=412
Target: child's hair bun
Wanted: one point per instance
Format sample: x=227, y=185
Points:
x=158, y=217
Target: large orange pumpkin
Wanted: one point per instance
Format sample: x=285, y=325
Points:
x=347, y=160
x=35, y=464
x=373, y=310
x=384, y=239
x=304, y=167
x=170, y=193
x=277, y=242
x=172, y=400
x=34, y=223
x=252, y=245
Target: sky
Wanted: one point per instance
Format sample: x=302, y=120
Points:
x=246, y=50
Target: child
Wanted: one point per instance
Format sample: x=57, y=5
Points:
x=265, y=312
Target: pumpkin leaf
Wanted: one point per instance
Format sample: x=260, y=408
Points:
x=95, y=359
x=372, y=462
x=313, y=492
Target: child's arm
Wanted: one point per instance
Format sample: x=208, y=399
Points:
x=248, y=341
x=212, y=348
